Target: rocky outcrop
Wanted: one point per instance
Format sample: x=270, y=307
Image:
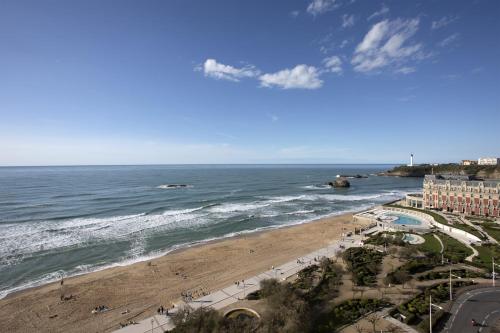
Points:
x=340, y=183
x=475, y=171
x=173, y=186
x=352, y=176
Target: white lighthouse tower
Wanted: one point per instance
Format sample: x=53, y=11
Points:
x=411, y=160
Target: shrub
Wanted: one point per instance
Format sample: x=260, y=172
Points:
x=363, y=264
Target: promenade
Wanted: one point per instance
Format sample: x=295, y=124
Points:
x=231, y=294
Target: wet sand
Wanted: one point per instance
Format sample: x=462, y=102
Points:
x=142, y=287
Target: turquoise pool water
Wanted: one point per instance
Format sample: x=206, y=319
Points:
x=408, y=238
x=406, y=220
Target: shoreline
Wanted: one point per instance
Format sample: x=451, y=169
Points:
x=174, y=249
x=140, y=287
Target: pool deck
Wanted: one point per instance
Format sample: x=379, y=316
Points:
x=386, y=220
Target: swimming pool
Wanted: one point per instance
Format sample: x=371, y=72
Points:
x=405, y=220
x=408, y=238
x=413, y=239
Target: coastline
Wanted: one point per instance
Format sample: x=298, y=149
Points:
x=174, y=249
x=141, y=287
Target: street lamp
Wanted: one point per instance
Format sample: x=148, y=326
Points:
x=430, y=312
x=493, y=266
x=456, y=276
x=152, y=323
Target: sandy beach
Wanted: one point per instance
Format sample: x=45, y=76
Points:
x=142, y=287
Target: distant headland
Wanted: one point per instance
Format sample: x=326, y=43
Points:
x=476, y=171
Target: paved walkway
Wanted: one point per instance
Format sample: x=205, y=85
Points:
x=233, y=293
x=401, y=325
x=155, y=324
x=440, y=242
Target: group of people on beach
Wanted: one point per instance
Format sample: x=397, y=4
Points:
x=161, y=310
x=240, y=283
x=100, y=308
x=130, y=322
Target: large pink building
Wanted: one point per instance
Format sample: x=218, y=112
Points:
x=459, y=194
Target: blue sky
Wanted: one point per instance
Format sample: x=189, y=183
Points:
x=291, y=81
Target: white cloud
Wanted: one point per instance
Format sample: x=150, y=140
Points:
x=344, y=43
x=385, y=44
x=443, y=22
x=216, y=70
x=347, y=21
x=333, y=64
x=405, y=70
x=317, y=7
x=384, y=10
x=294, y=13
x=299, y=77
x=449, y=40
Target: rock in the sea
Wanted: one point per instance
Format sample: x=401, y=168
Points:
x=172, y=186
x=340, y=182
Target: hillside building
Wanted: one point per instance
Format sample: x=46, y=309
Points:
x=488, y=161
x=459, y=194
x=469, y=162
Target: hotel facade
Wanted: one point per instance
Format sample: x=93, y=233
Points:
x=461, y=195
x=488, y=161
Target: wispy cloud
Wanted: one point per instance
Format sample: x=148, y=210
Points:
x=226, y=135
x=317, y=7
x=273, y=117
x=449, y=40
x=477, y=70
x=333, y=64
x=451, y=77
x=344, y=43
x=211, y=68
x=299, y=77
x=384, y=10
x=443, y=22
x=307, y=152
x=294, y=13
x=386, y=43
x=405, y=70
x=406, y=99
x=347, y=21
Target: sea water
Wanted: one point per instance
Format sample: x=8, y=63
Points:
x=63, y=221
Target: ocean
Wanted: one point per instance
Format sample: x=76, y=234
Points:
x=64, y=221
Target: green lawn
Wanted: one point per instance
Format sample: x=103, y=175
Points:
x=493, y=229
x=431, y=244
x=486, y=252
x=453, y=249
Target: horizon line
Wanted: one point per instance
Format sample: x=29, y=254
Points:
x=208, y=164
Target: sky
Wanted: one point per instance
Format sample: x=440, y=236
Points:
x=284, y=81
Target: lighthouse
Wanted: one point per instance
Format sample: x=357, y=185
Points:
x=411, y=160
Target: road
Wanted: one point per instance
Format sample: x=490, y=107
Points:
x=482, y=305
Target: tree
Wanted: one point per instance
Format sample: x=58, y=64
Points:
x=201, y=320
x=269, y=287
